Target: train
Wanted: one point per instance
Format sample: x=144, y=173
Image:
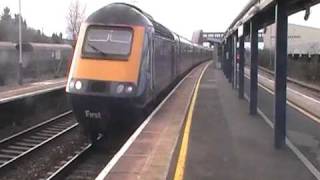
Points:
x=40, y=61
x=123, y=60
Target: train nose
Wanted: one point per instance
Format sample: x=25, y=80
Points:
x=103, y=88
x=93, y=113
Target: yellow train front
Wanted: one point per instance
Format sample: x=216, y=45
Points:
x=124, y=60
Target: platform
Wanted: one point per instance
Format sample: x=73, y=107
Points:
x=11, y=93
x=227, y=143
x=207, y=134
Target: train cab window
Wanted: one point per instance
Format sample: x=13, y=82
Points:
x=101, y=42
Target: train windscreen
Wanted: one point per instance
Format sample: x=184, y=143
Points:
x=104, y=43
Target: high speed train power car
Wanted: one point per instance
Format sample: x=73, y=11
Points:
x=123, y=60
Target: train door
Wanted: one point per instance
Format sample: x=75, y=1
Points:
x=157, y=66
x=178, y=56
x=193, y=55
x=174, y=62
x=152, y=66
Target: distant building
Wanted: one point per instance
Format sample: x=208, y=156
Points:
x=301, y=39
x=197, y=37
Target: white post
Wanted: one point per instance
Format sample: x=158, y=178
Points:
x=235, y=78
x=20, y=46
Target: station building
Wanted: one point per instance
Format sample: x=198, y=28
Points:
x=302, y=40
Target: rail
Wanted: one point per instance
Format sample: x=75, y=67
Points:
x=297, y=82
x=24, y=143
x=65, y=168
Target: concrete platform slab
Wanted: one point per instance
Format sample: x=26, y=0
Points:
x=12, y=93
x=227, y=143
x=149, y=155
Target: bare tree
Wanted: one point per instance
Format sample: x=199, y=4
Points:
x=75, y=17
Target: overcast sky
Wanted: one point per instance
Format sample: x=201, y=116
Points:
x=180, y=16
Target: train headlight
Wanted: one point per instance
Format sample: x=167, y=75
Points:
x=120, y=88
x=78, y=85
x=129, y=89
x=71, y=84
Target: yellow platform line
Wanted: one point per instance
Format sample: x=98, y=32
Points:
x=179, y=173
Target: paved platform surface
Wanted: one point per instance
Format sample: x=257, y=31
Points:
x=227, y=143
x=11, y=93
x=303, y=123
x=149, y=151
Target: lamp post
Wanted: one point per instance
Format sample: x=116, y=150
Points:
x=20, y=47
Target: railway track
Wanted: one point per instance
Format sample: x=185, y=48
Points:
x=294, y=81
x=86, y=163
x=89, y=160
x=67, y=166
x=24, y=143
